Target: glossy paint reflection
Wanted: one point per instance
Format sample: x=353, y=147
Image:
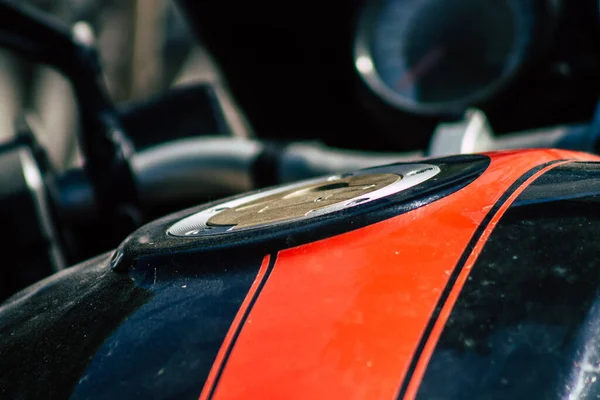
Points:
x=360, y=301
x=526, y=324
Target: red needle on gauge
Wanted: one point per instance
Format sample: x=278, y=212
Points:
x=424, y=65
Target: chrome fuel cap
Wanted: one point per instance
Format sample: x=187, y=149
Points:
x=304, y=200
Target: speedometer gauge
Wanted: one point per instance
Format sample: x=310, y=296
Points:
x=442, y=56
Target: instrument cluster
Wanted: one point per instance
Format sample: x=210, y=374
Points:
x=440, y=57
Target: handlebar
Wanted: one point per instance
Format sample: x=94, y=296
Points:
x=193, y=169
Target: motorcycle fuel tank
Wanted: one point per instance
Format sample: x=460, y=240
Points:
x=450, y=278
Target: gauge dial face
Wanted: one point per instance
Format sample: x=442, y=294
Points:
x=442, y=55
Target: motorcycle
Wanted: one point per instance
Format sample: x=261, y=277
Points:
x=459, y=263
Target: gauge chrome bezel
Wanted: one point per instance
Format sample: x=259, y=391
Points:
x=366, y=68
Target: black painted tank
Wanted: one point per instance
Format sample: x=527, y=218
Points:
x=472, y=276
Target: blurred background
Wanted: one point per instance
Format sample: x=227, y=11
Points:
x=325, y=72
x=149, y=37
